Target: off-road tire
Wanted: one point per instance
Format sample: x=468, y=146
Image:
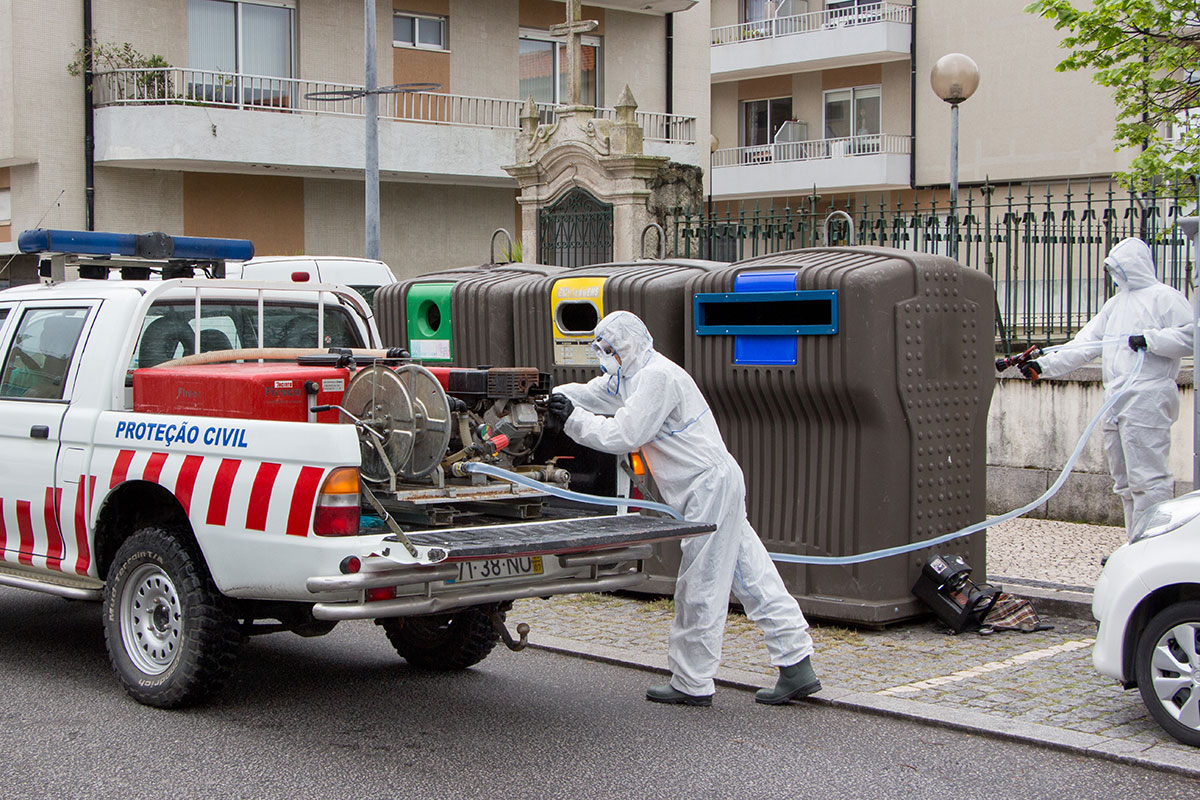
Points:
x=172, y=637
x=1165, y=628
x=444, y=642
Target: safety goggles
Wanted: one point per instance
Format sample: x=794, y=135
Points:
x=603, y=348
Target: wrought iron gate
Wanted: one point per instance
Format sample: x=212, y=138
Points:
x=575, y=231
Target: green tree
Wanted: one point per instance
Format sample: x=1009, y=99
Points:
x=1147, y=52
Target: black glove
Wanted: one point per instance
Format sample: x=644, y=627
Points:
x=1137, y=342
x=559, y=407
x=1031, y=370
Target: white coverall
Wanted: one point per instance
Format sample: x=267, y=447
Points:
x=1137, y=432
x=652, y=404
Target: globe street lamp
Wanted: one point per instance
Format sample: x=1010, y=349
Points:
x=954, y=78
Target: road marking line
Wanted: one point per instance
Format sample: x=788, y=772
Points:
x=991, y=666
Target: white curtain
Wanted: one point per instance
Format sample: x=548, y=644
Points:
x=266, y=40
x=212, y=35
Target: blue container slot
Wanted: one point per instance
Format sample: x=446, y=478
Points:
x=812, y=312
x=765, y=313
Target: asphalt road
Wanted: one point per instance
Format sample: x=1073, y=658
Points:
x=342, y=716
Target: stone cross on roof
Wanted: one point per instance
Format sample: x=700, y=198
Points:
x=572, y=29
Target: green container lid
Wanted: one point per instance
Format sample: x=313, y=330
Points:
x=429, y=323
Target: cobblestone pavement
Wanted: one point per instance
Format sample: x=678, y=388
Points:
x=1038, y=686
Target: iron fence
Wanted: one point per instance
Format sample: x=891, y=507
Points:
x=1043, y=245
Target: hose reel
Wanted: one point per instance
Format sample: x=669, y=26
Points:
x=404, y=421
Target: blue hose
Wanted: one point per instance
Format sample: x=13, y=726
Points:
x=566, y=494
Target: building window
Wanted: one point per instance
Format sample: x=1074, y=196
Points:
x=423, y=31
x=758, y=10
x=762, y=119
x=244, y=37
x=543, y=68
x=5, y=206
x=852, y=112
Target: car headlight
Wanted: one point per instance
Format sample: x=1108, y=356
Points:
x=1167, y=516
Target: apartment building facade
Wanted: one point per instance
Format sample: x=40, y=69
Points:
x=254, y=128
x=834, y=95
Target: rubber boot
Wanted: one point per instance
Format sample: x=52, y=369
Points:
x=666, y=693
x=794, y=682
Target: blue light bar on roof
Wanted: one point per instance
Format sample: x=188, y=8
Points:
x=143, y=245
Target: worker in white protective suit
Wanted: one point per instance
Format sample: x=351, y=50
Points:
x=1148, y=315
x=645, y=401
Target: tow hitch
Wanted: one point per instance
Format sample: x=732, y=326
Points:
x=512, y=644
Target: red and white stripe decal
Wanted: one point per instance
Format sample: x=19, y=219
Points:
x=54, y=537
x=186, y=483
x=218, y=503
x=302, y=500
x=121, y=468
x=82, y=551
x=25, y=529
x=217, y=492
x=260, y=496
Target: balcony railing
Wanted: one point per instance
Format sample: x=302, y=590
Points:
x=179, y=86
x=829, y=19
x=847, y=146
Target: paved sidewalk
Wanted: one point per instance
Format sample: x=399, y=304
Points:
x=1038, y=687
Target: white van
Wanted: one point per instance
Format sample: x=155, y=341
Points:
x=363, y=275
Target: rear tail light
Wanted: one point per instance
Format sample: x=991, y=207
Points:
x=338, y=504
x=639, y=469
x=299, y=277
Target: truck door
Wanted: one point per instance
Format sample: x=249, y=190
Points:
x=41, y=348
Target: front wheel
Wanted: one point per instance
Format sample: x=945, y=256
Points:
x=1167, y=668
x=451, y=641
x=171, y=635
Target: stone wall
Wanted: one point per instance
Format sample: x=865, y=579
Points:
x=1034, y=427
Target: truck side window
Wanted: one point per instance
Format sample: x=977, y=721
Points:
x=39, y=358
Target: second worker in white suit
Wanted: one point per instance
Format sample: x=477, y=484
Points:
x=645, y=401
x=1144, y=314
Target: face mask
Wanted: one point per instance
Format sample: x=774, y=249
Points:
x=608, y=363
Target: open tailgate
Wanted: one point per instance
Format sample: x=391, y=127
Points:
x=582, y=554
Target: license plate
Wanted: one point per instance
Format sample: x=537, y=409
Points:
x=497, y=568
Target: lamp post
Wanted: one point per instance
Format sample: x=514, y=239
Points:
x=954, y=78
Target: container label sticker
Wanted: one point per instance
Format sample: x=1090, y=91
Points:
x=430, y=349
x=575, y=354
x=283, y=384
x=333, y=385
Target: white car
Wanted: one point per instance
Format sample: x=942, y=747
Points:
x=1147, y=602
x=363, y=275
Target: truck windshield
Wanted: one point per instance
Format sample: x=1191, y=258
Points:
x=169, y=328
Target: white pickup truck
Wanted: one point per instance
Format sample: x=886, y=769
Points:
x=190, y=453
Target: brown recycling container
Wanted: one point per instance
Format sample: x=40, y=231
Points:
x=461, y=316
x=852, y=385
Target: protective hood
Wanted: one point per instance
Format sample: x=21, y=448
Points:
x=1131, y=265
x=627, y=335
